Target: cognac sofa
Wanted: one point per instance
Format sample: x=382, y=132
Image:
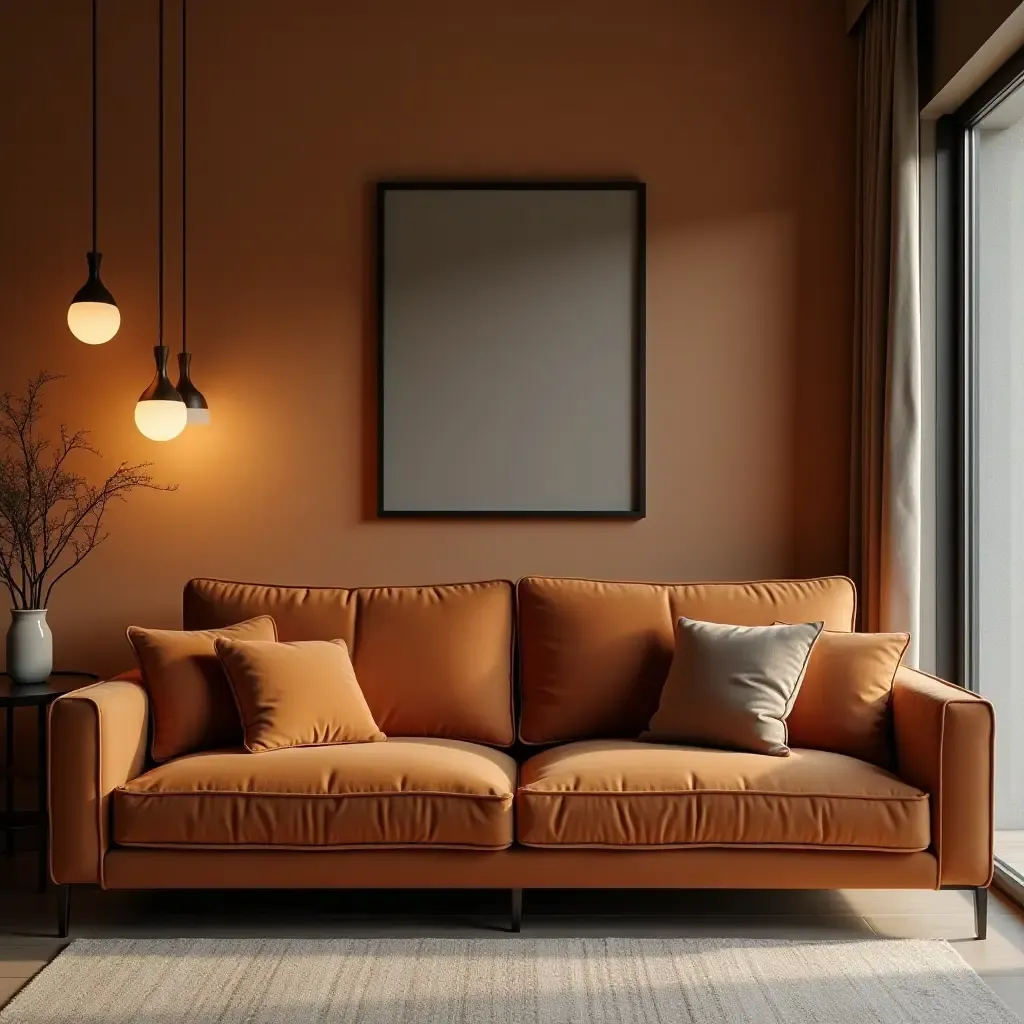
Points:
x=512, y=761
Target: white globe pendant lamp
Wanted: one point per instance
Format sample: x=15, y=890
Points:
x=93, y=316
x=160, y=413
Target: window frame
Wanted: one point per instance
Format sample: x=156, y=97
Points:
x=956, y=425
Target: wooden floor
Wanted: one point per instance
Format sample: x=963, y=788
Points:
x=27, y=919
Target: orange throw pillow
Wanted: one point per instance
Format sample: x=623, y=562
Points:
x=298, y=694
x=191, y=701
x=843, y=704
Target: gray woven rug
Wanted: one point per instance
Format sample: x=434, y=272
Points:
x=513, y=981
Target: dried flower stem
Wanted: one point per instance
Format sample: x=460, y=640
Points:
x=51, y=517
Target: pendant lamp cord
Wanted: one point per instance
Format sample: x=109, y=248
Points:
x=95, y=107
x=160, y=181
x=184, y=165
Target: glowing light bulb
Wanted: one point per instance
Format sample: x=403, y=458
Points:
x=160, y=420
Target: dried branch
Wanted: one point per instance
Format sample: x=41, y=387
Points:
x=51, y=517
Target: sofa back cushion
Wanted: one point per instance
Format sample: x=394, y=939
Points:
x=594, y=655
x=431, y=661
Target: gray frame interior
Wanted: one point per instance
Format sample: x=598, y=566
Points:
x=510, y=349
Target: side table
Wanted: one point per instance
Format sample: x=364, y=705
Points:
x=40, y=696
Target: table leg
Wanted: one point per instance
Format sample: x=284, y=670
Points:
x=9, y=783
x=42, y=810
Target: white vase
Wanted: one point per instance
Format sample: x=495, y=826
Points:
x=29, y=646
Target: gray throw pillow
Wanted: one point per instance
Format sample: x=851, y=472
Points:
x=732, y=686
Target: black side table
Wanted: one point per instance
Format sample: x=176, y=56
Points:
x=41, y=696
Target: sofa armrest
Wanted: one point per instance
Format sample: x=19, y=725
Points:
x=944, y=745
x=97, y=742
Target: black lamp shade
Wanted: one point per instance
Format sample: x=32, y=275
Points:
x=160, y=387
x=94, y=290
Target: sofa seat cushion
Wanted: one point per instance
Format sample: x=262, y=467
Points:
x=405, y=792
x=625, y=794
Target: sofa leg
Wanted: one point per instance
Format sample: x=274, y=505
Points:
x=981, y=912
x=63, y=910
x=517, y=910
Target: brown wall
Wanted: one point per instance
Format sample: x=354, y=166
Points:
x=738, y=116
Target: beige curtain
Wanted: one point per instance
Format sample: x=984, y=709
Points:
x=885, y=534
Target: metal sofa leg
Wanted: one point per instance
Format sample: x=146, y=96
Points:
x=517, y=910
x=63, y=910
x=980, y=894
x=981, y=912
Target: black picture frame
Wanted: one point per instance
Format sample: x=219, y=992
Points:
x=636, y=508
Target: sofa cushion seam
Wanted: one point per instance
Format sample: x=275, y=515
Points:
x=720, y=845
x=134, y=794
x=269, y=847
x=736, y=794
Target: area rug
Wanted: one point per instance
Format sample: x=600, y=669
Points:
x=512, y=981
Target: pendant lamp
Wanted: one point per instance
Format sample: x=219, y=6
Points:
x=93, y=315
x=197, y=411
x=160, y=413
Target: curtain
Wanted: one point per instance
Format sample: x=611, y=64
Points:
x=885, y=520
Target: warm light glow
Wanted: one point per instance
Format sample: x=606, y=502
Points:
x=160, y=420
x=93, y=322
x=198, y=417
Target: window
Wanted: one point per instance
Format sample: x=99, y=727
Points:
x=990, y=197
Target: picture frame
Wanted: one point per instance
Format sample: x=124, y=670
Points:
x=510, y=348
